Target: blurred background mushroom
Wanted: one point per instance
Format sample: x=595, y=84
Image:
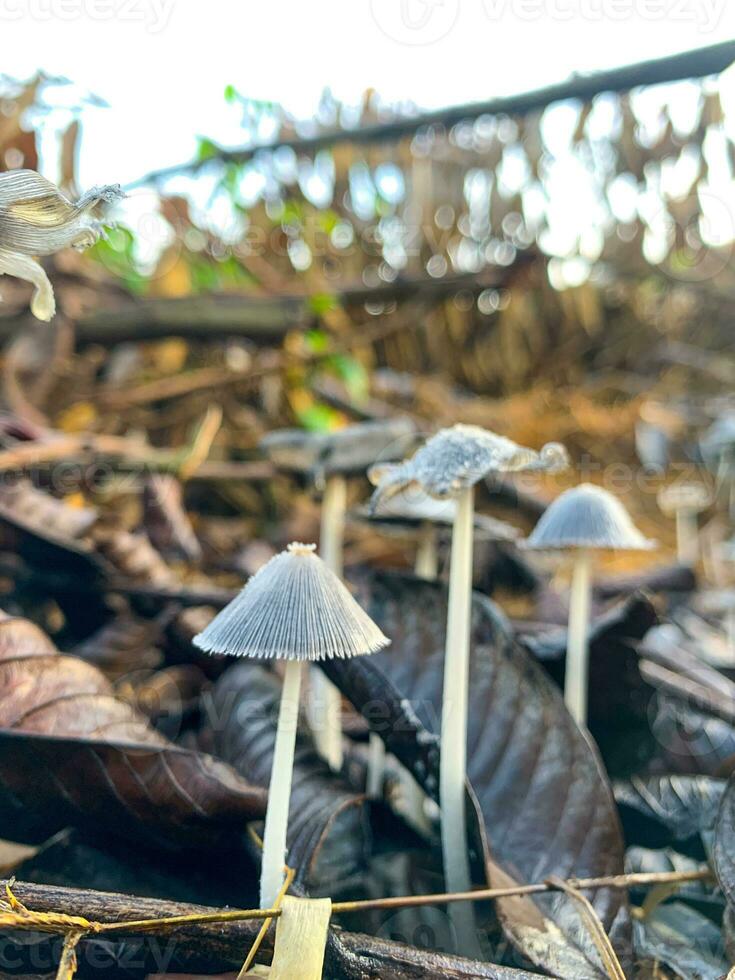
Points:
x=415, y=514
x=583, y=520
x=718, y=450
x=685, y=502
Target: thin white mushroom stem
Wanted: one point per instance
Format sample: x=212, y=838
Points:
x=576, y=677
x=427, y=563
x=453, y=764
x=334, y=506
x=279, y=794
x=325, y=703
x=725, y=467
x=687, y=535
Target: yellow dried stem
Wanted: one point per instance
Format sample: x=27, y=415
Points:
x=301, y=938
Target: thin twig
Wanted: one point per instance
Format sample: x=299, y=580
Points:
x=185, y=461
x=416, y=901
x=201, y=443
x=215, y=378
x=487, y=894
x=15, y=915
x=32, y=454
x=68, y=960
x=290, y=872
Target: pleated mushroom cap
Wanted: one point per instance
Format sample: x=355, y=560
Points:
x=586, y=517
x=294, y=608
x=459, y=457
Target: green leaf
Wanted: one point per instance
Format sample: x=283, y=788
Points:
x=353, y=374
x=317, y=418
x=206, y=149
x=316, y=340
x=321, y=303
x=117, y=254
x=328, y=220
x=204, y=276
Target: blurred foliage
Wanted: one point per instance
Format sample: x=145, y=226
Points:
x=580, y=237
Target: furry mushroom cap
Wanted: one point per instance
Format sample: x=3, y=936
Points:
x=587, y=517
x=293, y=608
x=457, y=458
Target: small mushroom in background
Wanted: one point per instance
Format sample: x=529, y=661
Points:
x=583, y=520
x=328, y=459
x=416, y=513
x=684, y=502
x=718, y=451
x=657, y=430
x=296, y=610
x=449, y=464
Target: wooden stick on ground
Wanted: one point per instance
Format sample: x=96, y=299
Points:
x=198, y=939
x=206, y=946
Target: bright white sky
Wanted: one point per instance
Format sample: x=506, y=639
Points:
x=162, y=65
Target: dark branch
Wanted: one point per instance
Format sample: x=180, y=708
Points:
x=260, y=318
x=216, y=947
x=691, y=64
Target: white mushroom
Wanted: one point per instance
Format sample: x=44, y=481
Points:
x=583, y=520
x=328, y=458
x=684, y=502
x=718, y=450
x=294, y=609
x=449, y=465
x=456, y=459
